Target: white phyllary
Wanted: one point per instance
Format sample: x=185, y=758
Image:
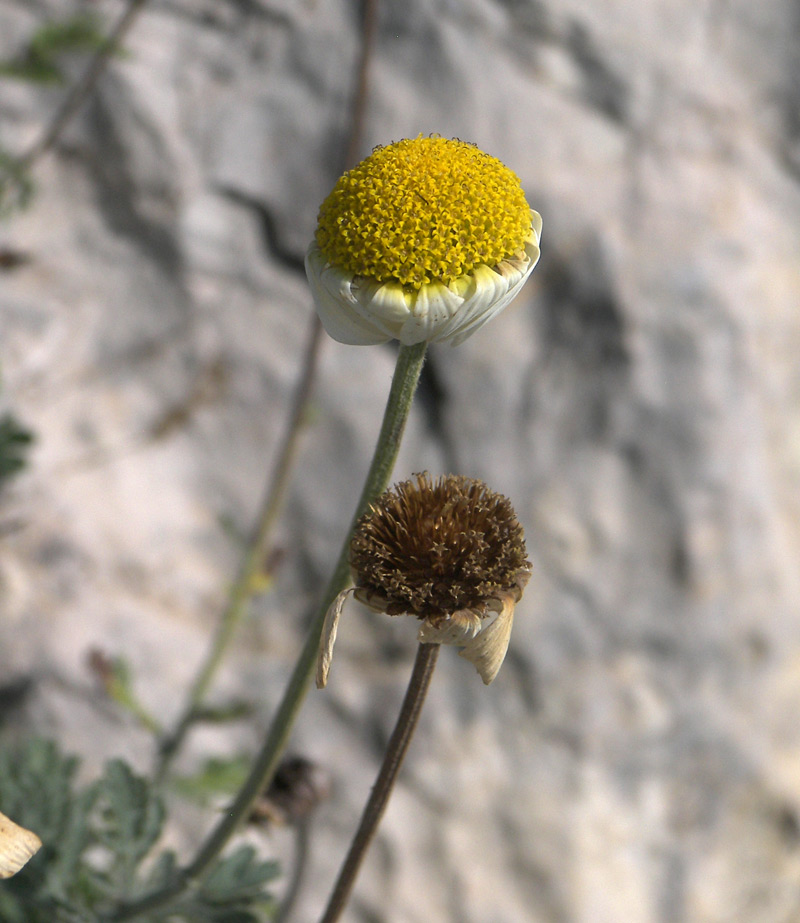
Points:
x=483, y=642
x=361, y=312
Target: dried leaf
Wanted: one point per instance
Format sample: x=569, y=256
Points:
x=17, y=845
x=329, y=630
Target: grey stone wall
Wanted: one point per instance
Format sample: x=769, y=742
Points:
x=638, y=758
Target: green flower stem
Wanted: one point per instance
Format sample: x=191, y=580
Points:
x=379, y=796
x=253, y=560
x=398, y=405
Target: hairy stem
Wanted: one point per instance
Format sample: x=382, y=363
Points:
x=379, y=797
x=404, y=383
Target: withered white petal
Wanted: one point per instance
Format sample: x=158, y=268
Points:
x=458, y=629
x=329, y=629
x=487, y=650
x=17, y=846
x=513, y=273
x=359, y=311
x=330, y=289
x=429, y=310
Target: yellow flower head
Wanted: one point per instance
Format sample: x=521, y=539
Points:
x=422, y=211
x=425, y=239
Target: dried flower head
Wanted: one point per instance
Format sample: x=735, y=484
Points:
x=449, y=551
x=299, y=785
x=424, y=240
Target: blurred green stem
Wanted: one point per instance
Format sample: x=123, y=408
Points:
x=252, y=563
x=241, y=592
x=404, y=383
x=82, y=89
x=15, y=172
x=302, y=841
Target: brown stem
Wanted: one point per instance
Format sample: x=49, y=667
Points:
x=369, y=26
x=379, y=797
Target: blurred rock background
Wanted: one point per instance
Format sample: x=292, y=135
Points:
x=638, y=758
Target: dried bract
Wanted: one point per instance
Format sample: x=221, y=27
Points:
x=17, y=846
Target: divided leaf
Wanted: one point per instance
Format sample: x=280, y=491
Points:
x=15, y=440
x=38, y=62
x=98, y=845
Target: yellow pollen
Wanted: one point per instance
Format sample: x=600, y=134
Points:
x=423, y=210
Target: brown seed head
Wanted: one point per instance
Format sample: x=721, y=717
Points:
x=432, y=548
x=298, y=786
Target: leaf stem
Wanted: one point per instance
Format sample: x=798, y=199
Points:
x=302, y=841
x=379, y=797
x=404, y=383
x=83, y=87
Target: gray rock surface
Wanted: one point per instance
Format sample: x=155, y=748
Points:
x=638, y=758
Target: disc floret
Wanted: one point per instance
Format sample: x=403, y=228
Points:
x=423, y=210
